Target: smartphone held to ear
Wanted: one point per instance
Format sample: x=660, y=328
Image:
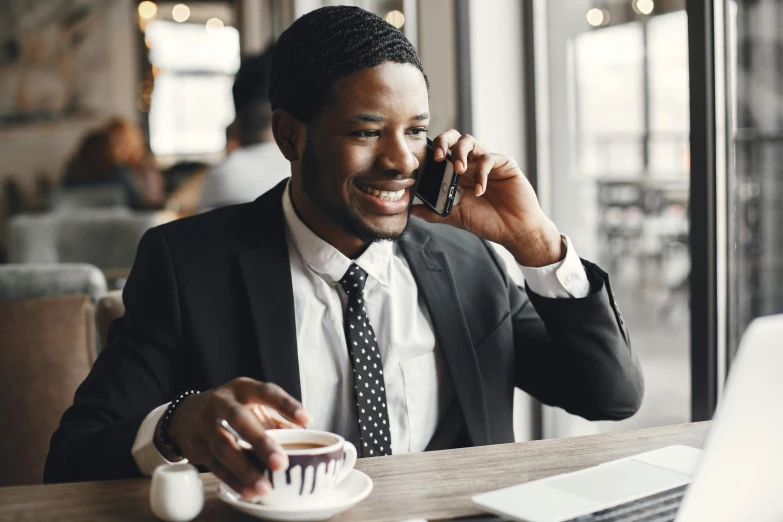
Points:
x=438, y=183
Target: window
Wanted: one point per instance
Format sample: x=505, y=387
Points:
x=616, y=161
x=191, y=105
x=755, y=195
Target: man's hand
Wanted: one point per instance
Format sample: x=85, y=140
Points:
x=250, y=407
x=497, y=204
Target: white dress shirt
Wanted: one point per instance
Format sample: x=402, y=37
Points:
x=244, y=175
x=418, y=386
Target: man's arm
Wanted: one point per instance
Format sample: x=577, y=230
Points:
x=575, y=353
x=133, y=375
x=570, y=352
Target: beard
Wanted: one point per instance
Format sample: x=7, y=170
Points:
x=345, y=216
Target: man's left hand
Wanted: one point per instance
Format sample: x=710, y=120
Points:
x=497, y=203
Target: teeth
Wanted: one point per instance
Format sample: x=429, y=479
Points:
x=384, y=195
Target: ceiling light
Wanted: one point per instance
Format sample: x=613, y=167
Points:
x=180, y=13
x=214, y=25
x=147, y=10
x=644, y=7
x=595, y=17
x=396, y=18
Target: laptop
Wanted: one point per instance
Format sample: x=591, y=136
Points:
x=737, y=477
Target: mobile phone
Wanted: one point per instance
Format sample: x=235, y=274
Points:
x=438, y=183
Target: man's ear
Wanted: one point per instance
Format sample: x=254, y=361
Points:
x=289, y=134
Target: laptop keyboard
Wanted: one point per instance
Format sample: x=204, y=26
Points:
x=661, y=507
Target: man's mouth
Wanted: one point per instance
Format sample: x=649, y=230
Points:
x=384, y=195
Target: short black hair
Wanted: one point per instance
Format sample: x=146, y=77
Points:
x=328, y=44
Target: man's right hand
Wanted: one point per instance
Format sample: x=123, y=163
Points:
x=250, y=407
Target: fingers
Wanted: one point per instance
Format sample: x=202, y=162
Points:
x=272, y=419
x=465, y=146
x=481, y=170
x=444, y=142
x=224, y=474
x=233, y=461
x=247, y=491
x=250, y=428
x=469, y=156
x=269, y=394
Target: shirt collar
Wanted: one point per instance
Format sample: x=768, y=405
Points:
x=325, y=260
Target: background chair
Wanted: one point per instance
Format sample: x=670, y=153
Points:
x=90, y=197
x=47, y=334
x=110, y=307
x=106, y=238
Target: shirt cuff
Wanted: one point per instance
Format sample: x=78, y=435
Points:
x=144, y=451
x=565, y=279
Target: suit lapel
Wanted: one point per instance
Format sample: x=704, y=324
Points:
x=433, y=276
x=266, y=271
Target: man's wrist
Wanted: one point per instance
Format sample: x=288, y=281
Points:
x=162, y=447
x=542, y=246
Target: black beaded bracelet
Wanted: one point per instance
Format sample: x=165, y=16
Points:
x=164, y=424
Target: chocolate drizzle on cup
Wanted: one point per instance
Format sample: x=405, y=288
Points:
x=304, y=462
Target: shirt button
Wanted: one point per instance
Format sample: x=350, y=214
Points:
x=569, y=279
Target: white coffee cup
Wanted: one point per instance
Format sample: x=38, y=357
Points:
x=317, y=462
x=176, y=492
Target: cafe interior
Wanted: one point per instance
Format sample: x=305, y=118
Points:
x=651, y=131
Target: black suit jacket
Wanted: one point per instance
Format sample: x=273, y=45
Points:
x=210, y=298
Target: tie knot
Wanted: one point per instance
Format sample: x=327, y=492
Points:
x=354, y=279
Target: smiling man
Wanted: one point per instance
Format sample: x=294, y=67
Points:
x=330, y=302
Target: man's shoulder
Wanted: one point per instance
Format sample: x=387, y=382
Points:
x=210, y=233
x=437, y=236
x=230, y=220
x=466, y=254
x=421, y=231
x=206, y=223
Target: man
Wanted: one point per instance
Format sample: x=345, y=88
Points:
x=257, y=165
x=295, y=310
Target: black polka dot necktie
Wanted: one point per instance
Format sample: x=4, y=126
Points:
x=368, y=385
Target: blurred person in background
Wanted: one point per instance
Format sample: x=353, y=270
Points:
x=258, y=165
x=127, y=144
x=92, y=163
x=115, y=154
x=232, y=137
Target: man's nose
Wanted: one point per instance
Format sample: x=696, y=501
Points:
x=396, y=156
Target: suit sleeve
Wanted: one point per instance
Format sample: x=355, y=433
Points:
x=575, y=353
x=135, y=373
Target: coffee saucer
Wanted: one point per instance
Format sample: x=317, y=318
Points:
x=345, y=495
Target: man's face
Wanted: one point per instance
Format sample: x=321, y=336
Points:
x=361, y=156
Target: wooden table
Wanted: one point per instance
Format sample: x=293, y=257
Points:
x=435, y=486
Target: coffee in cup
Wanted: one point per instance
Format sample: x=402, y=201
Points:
x=300, y=446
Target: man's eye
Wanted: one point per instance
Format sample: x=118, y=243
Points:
x=366, y=134
x=418, y=131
